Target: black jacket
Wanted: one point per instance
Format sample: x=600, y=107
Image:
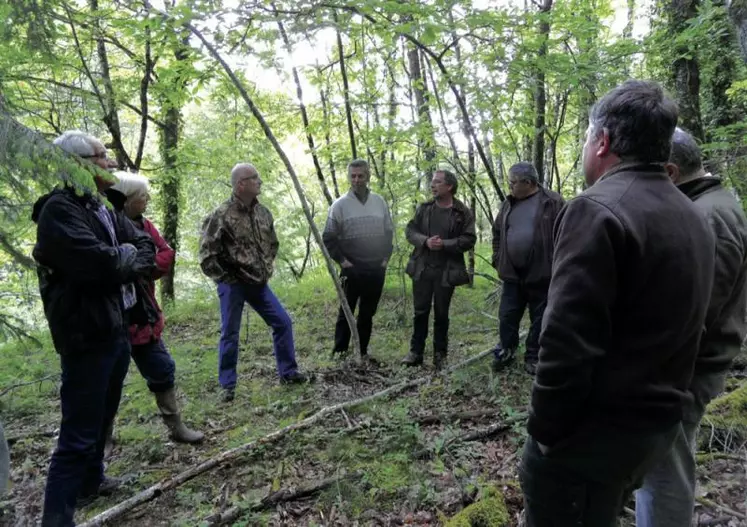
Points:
x=80, y=271
x=461, y=239
x=632, y=275
x=540, y=258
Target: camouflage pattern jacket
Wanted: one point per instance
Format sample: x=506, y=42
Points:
x=238, y=243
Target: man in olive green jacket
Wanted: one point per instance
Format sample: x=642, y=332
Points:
x=441, y=232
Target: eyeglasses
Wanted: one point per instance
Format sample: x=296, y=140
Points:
x=96, y=156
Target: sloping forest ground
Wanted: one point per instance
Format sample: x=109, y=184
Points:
x=415, y=458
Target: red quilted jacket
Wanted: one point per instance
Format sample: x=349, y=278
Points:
x=164, y=260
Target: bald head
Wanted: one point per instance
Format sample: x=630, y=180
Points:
x=241, y=171
x=685, y=160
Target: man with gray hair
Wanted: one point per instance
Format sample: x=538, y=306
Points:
x=238, y=247
x=522, y=255
x=632, y=275
x=358, y=235
x=88, y=258
x=667, y=497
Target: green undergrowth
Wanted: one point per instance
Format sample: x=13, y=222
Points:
x=401, y=465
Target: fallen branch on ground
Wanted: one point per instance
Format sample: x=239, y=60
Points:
x=32, y=435
x=715, y=521
x=159, y=488
x=432, y=419
x=27, y=383
x=722, y=508
x=475, y=435
x=281, y=496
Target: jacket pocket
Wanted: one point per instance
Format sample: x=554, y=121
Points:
x=411, y=266
x=457, y=276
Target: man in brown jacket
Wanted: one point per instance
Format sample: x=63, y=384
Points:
x=522, y=254
x=632, y=274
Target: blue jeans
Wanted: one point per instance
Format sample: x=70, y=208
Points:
x=91, y=389
x=667, y=497
x=155, y=365
x=267, y=306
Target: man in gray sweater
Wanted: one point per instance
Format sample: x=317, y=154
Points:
x=358, y=235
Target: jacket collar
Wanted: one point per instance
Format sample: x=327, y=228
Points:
x=634, y=166
x=458, y=205
x=697, y=187
x=243, y=206
x=365, y=198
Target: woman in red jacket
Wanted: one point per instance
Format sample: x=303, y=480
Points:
x=152, y=358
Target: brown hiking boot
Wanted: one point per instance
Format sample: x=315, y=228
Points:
x=413, y=359
x=170, y=413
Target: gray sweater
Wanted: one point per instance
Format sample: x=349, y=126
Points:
x=360, y=232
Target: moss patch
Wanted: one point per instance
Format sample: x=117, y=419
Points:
x=489, y=511
x=727, y=417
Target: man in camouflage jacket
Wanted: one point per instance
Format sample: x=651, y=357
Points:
x=237, y=250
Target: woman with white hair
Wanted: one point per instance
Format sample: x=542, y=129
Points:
x=131, y=195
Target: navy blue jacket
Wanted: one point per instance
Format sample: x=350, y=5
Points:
x=81, y=271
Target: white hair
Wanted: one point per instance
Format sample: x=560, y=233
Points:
x=131, y=184
x=79, y=143
x=239, y=170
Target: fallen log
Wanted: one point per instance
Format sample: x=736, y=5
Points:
x=713, y=505
x=159, y=488
x=432, y=419
x=281, y=496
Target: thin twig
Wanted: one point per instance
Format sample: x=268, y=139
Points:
x=27, y=383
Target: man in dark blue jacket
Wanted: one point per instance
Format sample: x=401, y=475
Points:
x=89, y=259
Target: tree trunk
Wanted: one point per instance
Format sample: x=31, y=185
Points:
x=540, y=93
x=346, y=90
x=111, y=116
x=305, y=117
x=328, y=141
x=171, y=186
x=722, y=77
x=686, y=72
x=425, y=132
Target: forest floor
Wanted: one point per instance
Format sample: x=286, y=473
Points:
x=415, y=458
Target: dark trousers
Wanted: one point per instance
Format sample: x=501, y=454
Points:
x=267, y=306
x=155, y=365
x=366, y=287
x=426, y=291
x=585, y=479
x=89, y=398
x=514, y=300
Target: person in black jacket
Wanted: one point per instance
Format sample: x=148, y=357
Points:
x=89, y=259
x=522, y=255
x=442, y=230
x=632, y=274
x=667, y=496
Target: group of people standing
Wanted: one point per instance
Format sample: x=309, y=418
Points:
x=635, y=289
x=645, y=314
